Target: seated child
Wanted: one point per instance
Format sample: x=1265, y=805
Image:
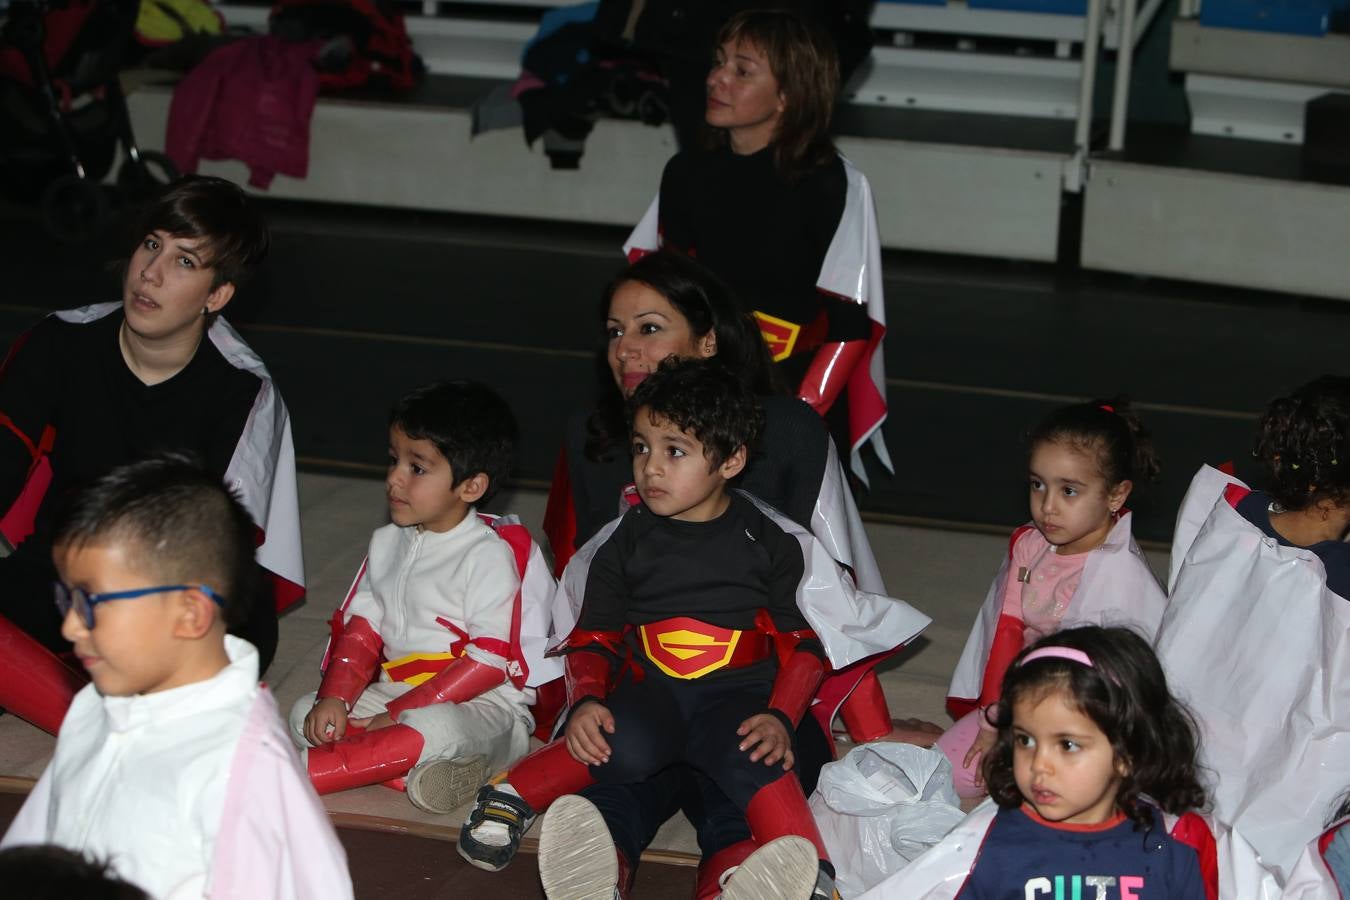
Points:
x=173, y=764
x=1075, y=563
x=687, y=595
x=1303, y=445
x=1094, y=775
x=436, y=597
x=1253, y=635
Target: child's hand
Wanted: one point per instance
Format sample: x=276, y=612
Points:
x=983, y=743
x=774, y=743
x=371, y=723
x=326, y=722
x=585, y=733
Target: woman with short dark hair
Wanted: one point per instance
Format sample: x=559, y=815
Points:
x=88, y=389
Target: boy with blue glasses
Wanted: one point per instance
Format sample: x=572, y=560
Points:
x=173, y=764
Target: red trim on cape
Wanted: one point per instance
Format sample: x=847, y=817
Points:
x=560, y=516
x=1193, y=831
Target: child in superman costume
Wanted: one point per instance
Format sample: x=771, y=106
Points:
x=691, y=612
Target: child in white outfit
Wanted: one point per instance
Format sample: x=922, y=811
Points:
x=437, y=600
x=173, y=765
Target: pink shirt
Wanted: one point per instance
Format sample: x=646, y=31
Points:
x=1043, y=583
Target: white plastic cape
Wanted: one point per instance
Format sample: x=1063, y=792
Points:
x=1310, y=878
x=852, y=270
x=852, y=624
x=1259, y=649
x=262, y=469
x=940, y=873
x=1117, y=588
x=836, y=523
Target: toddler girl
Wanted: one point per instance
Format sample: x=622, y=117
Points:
x=1094, y=775
x=1074, y=563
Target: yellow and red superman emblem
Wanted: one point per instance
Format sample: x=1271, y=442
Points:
x=691, y=651
x=779, y=334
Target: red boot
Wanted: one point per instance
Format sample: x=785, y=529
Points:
x=547, y=774
x=780, y=810
x=368, y=758
x=865, y=712
x=34, y=684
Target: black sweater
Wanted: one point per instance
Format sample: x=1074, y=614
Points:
x=765, y=237
x=73, y=377
x=721, y=572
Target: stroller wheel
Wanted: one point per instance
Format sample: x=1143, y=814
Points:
x=138, y=180
x=74, y=209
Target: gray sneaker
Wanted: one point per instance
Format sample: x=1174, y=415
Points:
x=577, y=859
x=783, y=869
x=444, y=785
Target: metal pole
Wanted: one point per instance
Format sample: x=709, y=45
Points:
x=1120, y=99
x=1087, y=80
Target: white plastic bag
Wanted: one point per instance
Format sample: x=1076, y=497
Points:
x=881, y=806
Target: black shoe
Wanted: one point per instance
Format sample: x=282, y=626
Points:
x=501, y=808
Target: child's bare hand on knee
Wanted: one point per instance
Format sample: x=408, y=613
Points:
x=771, y=742
x=326, y=722
x=585, y=733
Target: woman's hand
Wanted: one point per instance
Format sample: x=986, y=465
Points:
x=326, y=722
x=770, y=740
x=585, y=733
x=919, y=732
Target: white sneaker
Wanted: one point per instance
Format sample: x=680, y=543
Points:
x=444, y=785
x=577, y=859
x=783, y=869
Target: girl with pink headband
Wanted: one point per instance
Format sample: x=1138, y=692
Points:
x=1093, y=778
x=1074, y=563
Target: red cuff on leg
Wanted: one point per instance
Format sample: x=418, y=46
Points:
x=796, y=684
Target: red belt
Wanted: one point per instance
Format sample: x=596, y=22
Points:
x=689, y=648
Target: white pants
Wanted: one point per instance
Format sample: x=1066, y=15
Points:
x=493, y=724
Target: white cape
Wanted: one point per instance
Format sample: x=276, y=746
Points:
x=1117, y=588
x=1259, y=649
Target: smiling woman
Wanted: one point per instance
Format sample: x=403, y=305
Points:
x=89, y=389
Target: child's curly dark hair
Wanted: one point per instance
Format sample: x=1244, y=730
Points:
x=1124, y=692
x=1305, y=444
x=1109, y=428
x=704, y=398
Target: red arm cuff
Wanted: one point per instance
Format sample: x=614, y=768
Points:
x=352, y=660
x=462, y=680
x=587, y=675
x=796, y=684
x=829, y=373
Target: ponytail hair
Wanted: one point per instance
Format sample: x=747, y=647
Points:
x=1110, y=429
x=1124, y=692
x=1305, y=444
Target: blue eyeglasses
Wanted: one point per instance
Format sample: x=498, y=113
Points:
x=68, y=598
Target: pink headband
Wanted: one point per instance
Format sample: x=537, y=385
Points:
x=1068, y=653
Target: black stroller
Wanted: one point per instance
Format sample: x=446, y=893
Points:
x=63, y=114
